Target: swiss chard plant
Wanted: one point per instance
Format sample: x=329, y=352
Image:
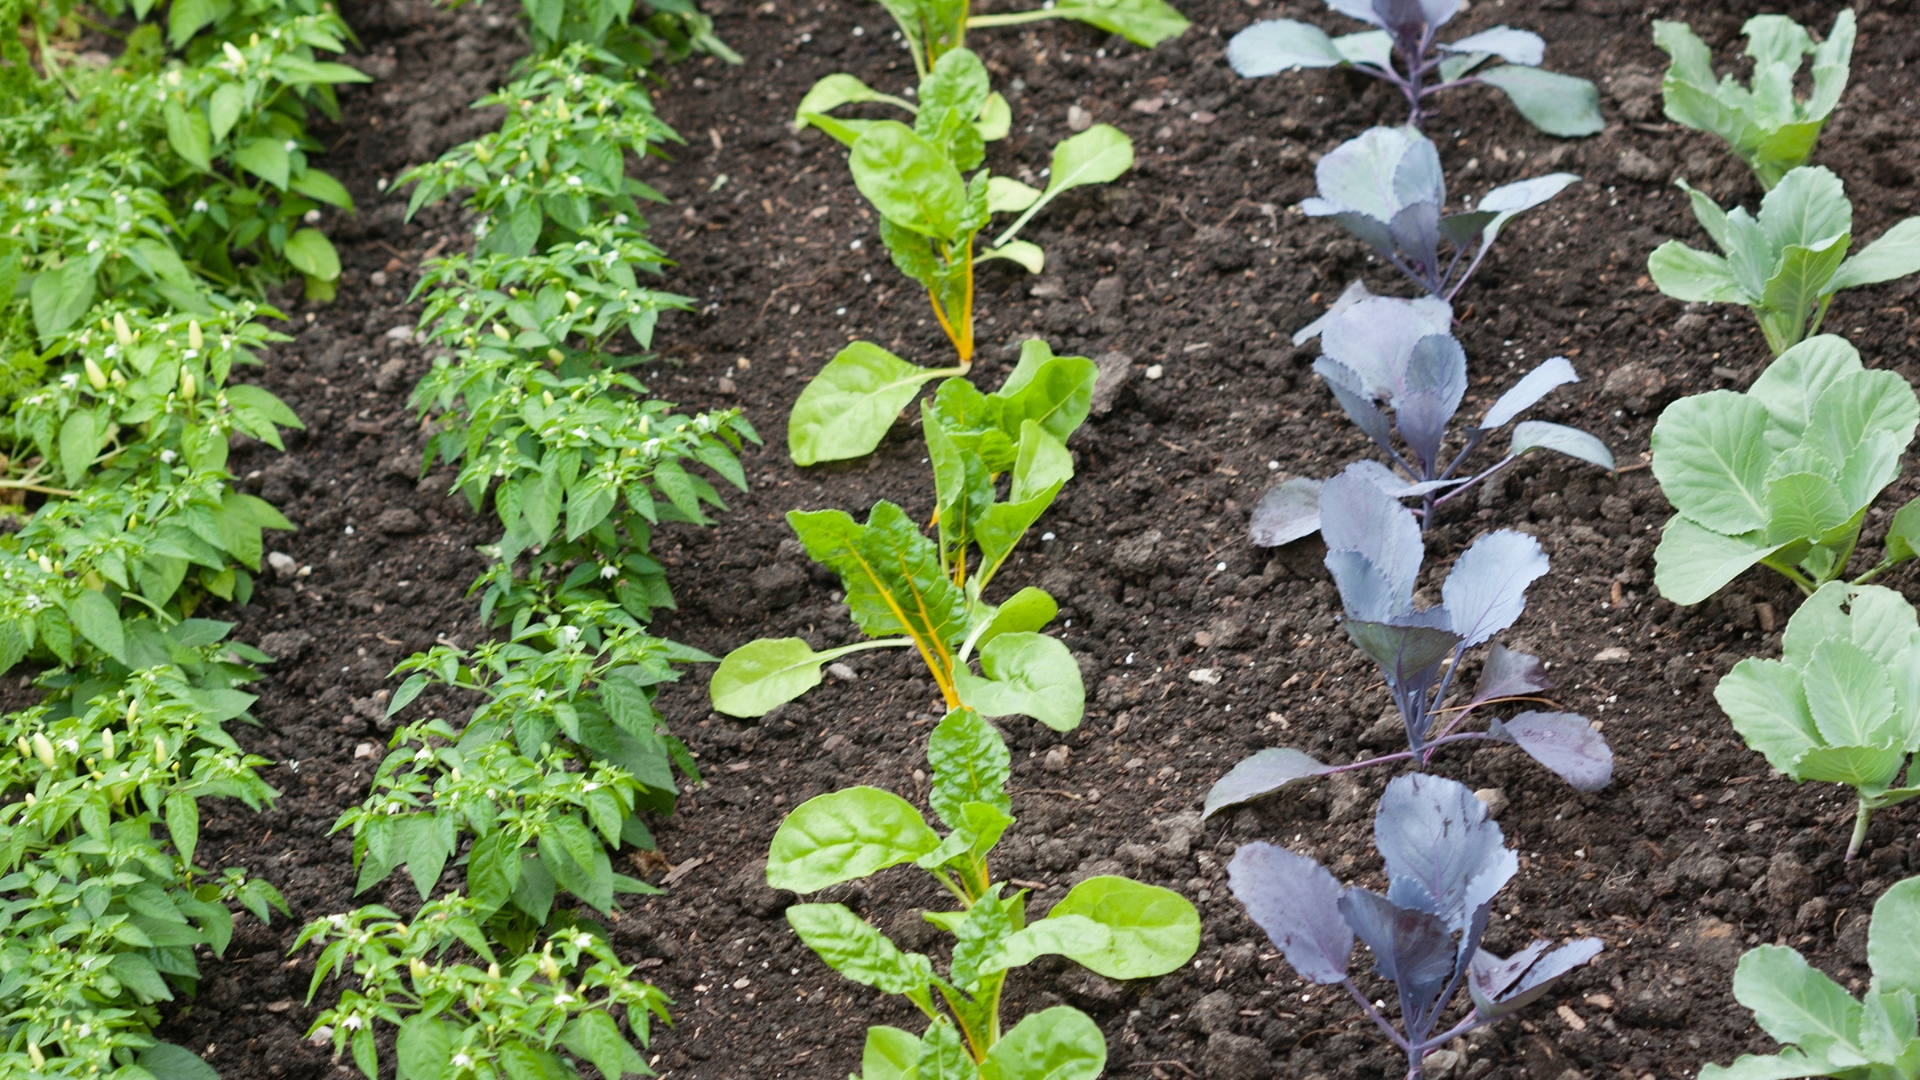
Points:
x=905, y=590
x=1114, y=926
x=1781, y=475
x=1824, y=1029
x=930, y=215
x=1770, y=127
x=1842, y=704
x=1786, y=264
x=1446, y=860
x=1385, y=187
x=1398, y=352
x=1402, y=51
x=1374, y=553
x=511, y=1018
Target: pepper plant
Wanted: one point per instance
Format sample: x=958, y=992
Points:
x=1399, y=352
x=1782, y=475
x=1787, y=263
x=930, y=214
x=1385, y=187
x=1402, y=52
x=456, y=1018
x=1824, y=1029
x=1764, y=123
x=1374, y=552
x=1842, y=704
x=1114, y=926
x=1445, y=862
x=906, y=590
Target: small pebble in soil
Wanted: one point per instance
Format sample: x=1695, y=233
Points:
x=1154, y=371
x=841, y=672
x=1495, y=799
x=1206, y=676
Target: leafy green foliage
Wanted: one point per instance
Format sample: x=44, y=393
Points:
x=535, y=400
x=1826, y=1031
x=905, y=588
x=930, y=214
x=1765, y=124
x=1842, y=704
x=1113, y=925
x=1786, y=264
x=933, y=28
x=539, y=1010
x=103, y=911
x=1782, y=474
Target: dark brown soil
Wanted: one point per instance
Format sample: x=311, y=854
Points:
x=1195, y=264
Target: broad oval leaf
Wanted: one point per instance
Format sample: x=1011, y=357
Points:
x=845, y=835
x=1533, y=386
x=1710, y=456
x=1060, y=1043
x=1556, y=104
x=1154, y=930
x=1027, y=674
x=851, y=946
x=1850, y=696
x=312, y=254
x=1261, y=775
x=1275, y=45
x=1297, y=902
x=762, y=675
x=1541, y=435
x=1893, y=949
x=1514, y=46
x=1563, y=742
x=1791, y=1000
x=909, y=180
x=847, y=408
x=1767, y=702
x=1438, y=842
x=1487, y=588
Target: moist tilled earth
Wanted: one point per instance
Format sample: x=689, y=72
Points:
x=1185, y=278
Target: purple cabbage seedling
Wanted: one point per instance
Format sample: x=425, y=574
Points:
x=1402, y=52
x=1385, y=187
x=1446, y=860
x=1398, y=352
x=1374, y=552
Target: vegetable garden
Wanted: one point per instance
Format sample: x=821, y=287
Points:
x=520, y=521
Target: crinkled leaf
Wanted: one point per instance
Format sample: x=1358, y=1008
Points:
x=851, y=946
x=1060, y=1043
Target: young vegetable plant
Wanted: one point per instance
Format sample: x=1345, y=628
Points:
x=1399, y=352
x=904, y=589
x=458, y=1019
x=1842, y=704
x=1374, y=552
x=1114, y=926
x=1403, y=53
x=1446, y=860
x=1385, y=187
x=1826, y=1031
x=1787, y=263
x=1770, y=129
x=929, y=216
x=1782, y=475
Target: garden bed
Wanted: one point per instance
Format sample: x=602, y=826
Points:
x=1197, y=648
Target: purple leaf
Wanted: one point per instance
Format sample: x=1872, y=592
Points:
x=1402, y=652
x=1411, y=947
x=1416, y=232
x=1437, y=840
x=1354, y=401
x=1535, y=385
x=1514, y=46
x=1355, y=515
x=1491, y=975
x=1261, y=775
x=1296, y=901
x=1563, y=742
x=1355, y=291
x=1394, y=484
x=1439, y=364
x=1287, y=512
x=1487, y=588
x=1365, y=592
x=1422, y=417
x=1507, y=673
x=1375, y=338
x=1538, y=979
